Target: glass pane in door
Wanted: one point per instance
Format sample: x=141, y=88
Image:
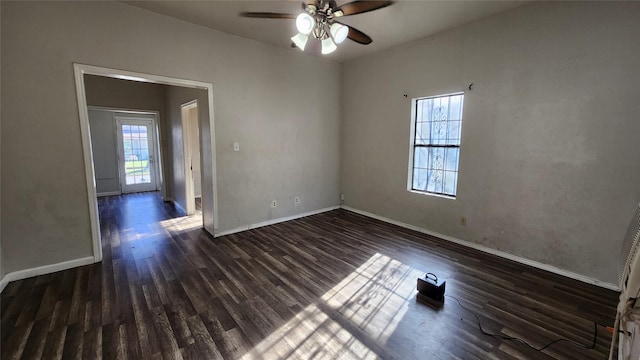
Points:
x=136, y=154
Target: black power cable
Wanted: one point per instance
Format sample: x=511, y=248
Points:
x=504, y=337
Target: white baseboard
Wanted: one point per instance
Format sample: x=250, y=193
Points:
x=109, y=193
x=539, y=265
x=175, y=203
x=273, y=221
x=45, y=269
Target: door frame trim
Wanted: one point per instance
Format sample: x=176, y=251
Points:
x=79, y=71
x=189, y=191
x=118, y=120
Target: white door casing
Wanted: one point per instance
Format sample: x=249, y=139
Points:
x=137, y=163
x=188, y=157
x=210, y=194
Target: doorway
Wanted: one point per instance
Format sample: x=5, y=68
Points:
x=125, y=150
x=137, y=163
x=192, y=162
x=207, y=138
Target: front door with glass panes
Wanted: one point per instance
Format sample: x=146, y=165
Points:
x=136, y=153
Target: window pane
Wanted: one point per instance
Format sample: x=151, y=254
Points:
x=450, y=182
x=427, y=105
x=451, y=159
x=420, y=158
x=424, y=133
x=455, y=108
x=434, y=181
x=418, y=136
x=438, y=128
x=439, y=181
x=441, y=112
x=453, y=132
x=431, y=181
x=419, y=179
x=436, y=158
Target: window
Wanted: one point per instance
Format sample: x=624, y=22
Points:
x=436, y=128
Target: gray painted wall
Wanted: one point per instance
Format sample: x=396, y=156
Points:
x=290, y=137
x=124, y=94
x=549, y=167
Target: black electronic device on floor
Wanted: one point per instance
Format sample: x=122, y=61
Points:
x=431, y=290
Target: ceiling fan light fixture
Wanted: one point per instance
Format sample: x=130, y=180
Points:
x=300, y=40
x=339, y=32
x=328, y=46
x=319, y=20
x=305, y=23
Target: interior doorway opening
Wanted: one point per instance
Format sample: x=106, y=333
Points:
x=209, y=198
x=192, y=158
x=125, y=151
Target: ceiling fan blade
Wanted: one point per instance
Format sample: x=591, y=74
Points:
x=360, y=6
x=267, y=15
x=357, y=35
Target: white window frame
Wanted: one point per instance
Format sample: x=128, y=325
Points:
x=412, y=138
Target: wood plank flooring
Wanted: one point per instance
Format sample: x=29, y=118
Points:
x=331, y=286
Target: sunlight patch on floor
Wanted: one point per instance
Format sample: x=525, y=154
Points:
x=184, y=223
x=375, y=296
x=370, y=302
x=311, y=334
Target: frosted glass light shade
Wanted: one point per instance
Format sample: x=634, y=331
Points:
x=339, y=32
x=300, y=40
x=328, y=46
x=304, y=23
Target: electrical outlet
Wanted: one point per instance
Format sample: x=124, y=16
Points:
x=236, y=146
x=341, y=197
x=463, y=221
x=296, y=200
x=274, y=203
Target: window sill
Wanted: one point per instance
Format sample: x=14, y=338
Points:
x=432, y=194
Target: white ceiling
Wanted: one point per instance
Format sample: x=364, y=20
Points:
x=399, y=23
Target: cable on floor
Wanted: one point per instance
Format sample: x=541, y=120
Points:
x=505, y=337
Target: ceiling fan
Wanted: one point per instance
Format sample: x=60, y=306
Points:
x=319, y=18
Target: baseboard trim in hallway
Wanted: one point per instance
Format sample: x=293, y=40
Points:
x=45, y=269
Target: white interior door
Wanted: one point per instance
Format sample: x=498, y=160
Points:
x=136, y=154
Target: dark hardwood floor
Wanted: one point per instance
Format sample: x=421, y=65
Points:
x=328, y=286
